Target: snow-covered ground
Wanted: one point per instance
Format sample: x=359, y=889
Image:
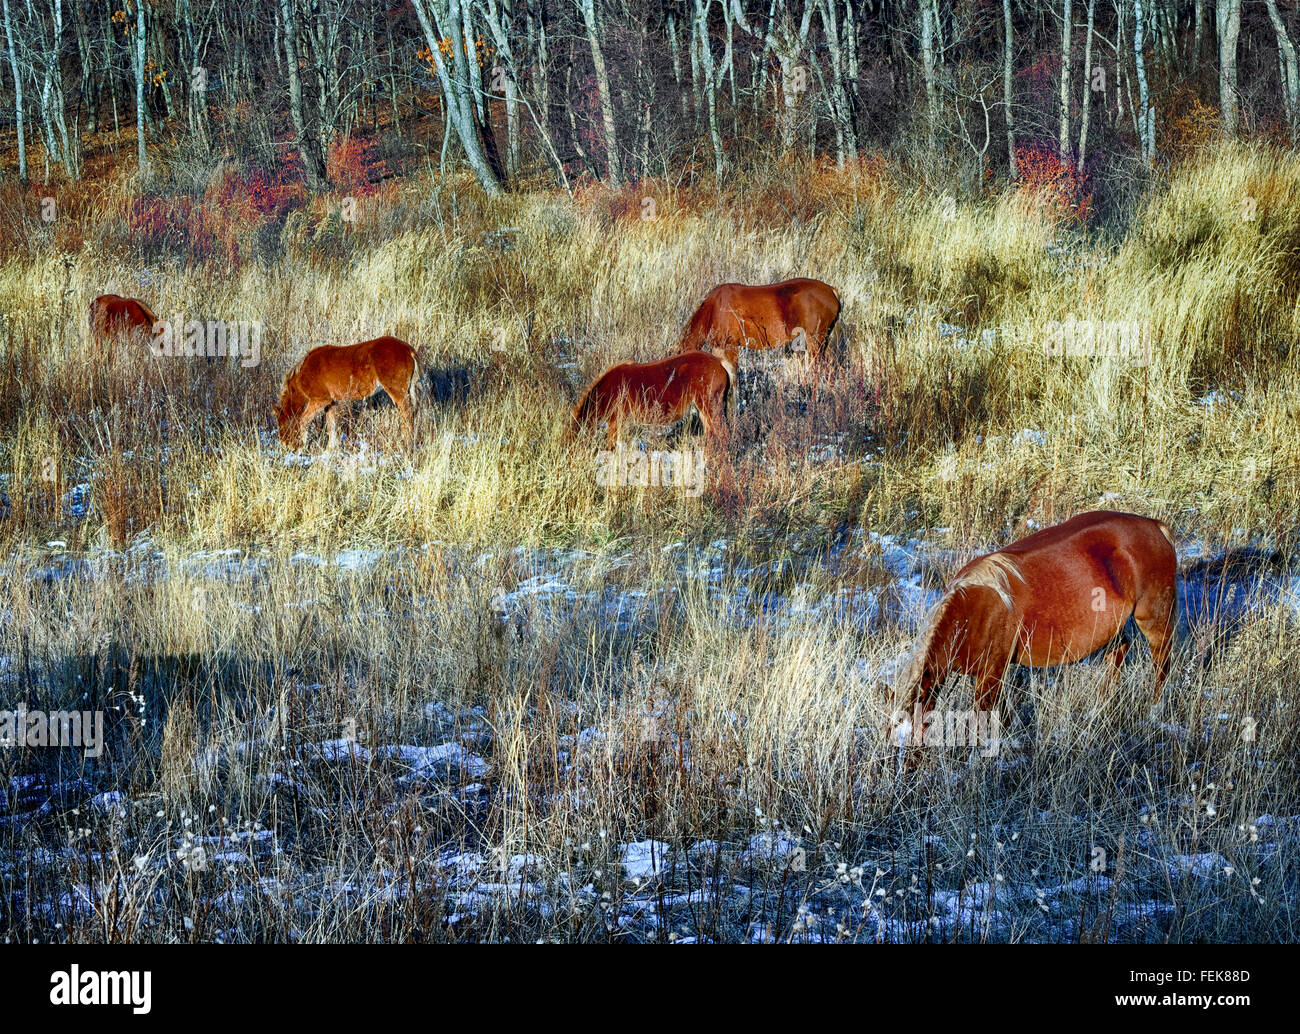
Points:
x=660, y=883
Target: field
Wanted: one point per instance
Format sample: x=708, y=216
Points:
x=478, y=695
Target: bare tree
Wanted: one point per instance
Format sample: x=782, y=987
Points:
x=499, y=18
x=607, y=117
x=1086, y=114
x=1063, y=137
x=195, y=24
x=18, y=92
x=47, y=57
x=308, y=146
x=455, y=83
x=327, y=39
x=138, y=66
x=787, y=42
x=1228, y=19
x=1198, y=22
x=710, y=76
x=1007, y=83
x=929, y=16
x=1146, y=115
x=845, y=136
x=1287, y=61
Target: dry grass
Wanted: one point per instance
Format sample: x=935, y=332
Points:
x=215, y=615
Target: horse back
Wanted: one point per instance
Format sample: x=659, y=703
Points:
x=1080, y=581
x=345, y=372
x=1101, y=542
x=666, y=384
x=781, y=307
x=112, y=311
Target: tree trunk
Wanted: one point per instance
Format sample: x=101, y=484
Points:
x=675, y=49
x=606, y=97
x=18, y=93
x=846, y=137
x=313, y=166
x=700, y=34
x=1228, y=20
x=1198, y=21
x=498, y=20
x=459, y=106
x=1007, y=83
x=927, y=65
x=1087, y=86
x=1063, y=137
x=142, y=161
x=1287, y=57
x=1146, y=119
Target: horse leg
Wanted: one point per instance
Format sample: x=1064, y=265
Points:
x=309, y=413
x=718, y=424
x=816, y=353
x=403, y=403
x=705, y=419
x=1155, y=619
x=987, y=687
x=709, y=404
x=331, y=423
x=1114, y=660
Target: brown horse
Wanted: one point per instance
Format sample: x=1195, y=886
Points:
x=661, y=392
x=1051, y=598
x=111, y=315
x=346, y=373
x=766, y=316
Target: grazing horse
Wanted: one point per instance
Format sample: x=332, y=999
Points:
x=111, y=314
x=331, y=374
x=661, y=392
x=764, y=316
x=1051, y=598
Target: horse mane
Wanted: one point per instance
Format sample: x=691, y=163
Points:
x=284, y=383
x=583, y=410
x=148, y=312
x=993, y=571
x=698, y=326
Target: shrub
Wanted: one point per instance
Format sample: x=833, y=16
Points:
x=1054, y=183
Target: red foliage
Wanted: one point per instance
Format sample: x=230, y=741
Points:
x=1054, y=182
x=219, y=226
x=270, y=192
x=160, y=224
x=352, y=168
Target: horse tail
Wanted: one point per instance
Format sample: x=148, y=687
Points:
x=834, y=323
x=417, y=361
x=1167, y=532
x=731, y=382
x=731, y=370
